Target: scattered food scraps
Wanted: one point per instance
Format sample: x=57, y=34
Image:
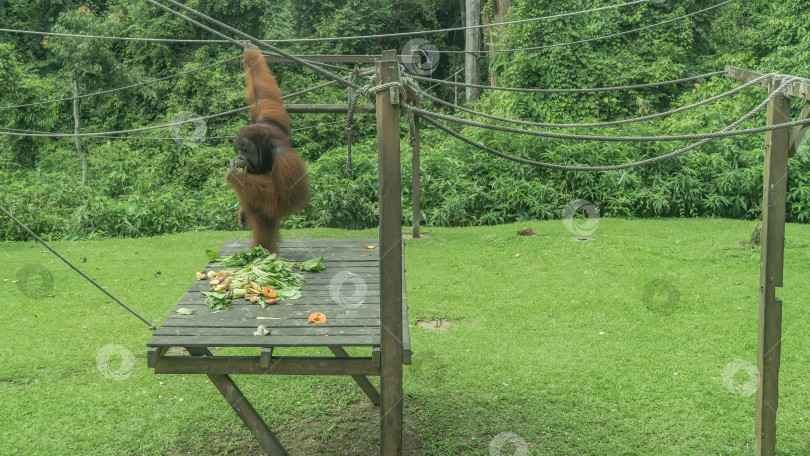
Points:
x=317, y=318
x=255, y=275
x=185, y=311
x=369, y=246
x=261, y=331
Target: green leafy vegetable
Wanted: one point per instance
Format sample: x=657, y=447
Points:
x=211, y=255
x=217, y=300
x=185, y=311
x=313, y=265
x=249, y=272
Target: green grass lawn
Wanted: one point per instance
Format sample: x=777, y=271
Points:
x=634, y=343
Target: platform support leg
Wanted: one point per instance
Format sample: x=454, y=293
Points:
x=390, y=257
x=362, y=381
x=773, y=249
x=243, y=408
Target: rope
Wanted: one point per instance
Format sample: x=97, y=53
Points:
x=545, y=134
x=120, y=88
x=586, y=90
x=253, y=40
x=308, y=127
x=626, y=165
x=612, y=35
x=33, y=133
x=38, y=239
x=600, y=124
x=337, y=38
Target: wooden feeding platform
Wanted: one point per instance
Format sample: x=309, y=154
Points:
x=347, y=292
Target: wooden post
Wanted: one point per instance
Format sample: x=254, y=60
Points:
x=390, y=258
x=416, y=190
x=773, y=247
x=472, y=46
x=76, y=138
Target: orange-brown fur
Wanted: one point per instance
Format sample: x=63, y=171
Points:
x=270, y=197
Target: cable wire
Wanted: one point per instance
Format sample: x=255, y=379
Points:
x=38, y=239
x=626, y=165
x=104, y=92
x=576, y=90
x=334, y=38
x=599, y=124
x=612, y=35
x=251, y=39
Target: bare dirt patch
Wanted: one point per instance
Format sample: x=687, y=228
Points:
x=439, y=324
x=353, y=430
x=422, y=236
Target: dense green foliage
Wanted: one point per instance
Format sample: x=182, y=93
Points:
x=152, y=186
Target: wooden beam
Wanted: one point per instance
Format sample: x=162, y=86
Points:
x=239, y=403
x=330, y=58
x=362, y=381
x=390, y=259
x=416, y=189
x=798, y=132
x=278, y=365
x=773, y=247
x=327, y=109
x=798, y=89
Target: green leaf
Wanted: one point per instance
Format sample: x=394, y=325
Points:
x=211, y=255
x=185, y=311
x=217, y=300
x=313, y=265
x=289, y=293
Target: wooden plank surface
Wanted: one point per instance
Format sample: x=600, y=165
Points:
x=352, y=271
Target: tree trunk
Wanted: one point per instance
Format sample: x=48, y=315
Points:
x=472, y=44
x=498, y=15
x=78, y=140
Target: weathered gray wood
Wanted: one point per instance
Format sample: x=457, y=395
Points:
x=797, y=133
x=264, y=341
x=243, y=408
x=390, y=261
x=312, y=330
x=416, y=188
x=362, y=381
x=214, y=322
x=264, y=357
x=798, y=89
x=153, y=354
x=773, y=245
x=279, y=365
